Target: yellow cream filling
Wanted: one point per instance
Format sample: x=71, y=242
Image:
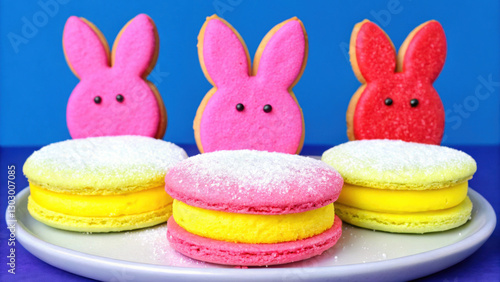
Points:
x=400, y=201
x=96, y=205
x=253, y=228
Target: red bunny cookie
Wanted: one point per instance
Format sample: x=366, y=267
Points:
x=113, y=96
x=251, y=107
x=397, y=99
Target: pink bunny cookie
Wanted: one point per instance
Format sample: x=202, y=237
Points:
x=397, y=99
x=113, y=96
x=251, y=107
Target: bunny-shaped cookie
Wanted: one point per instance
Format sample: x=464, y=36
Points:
x=113, y=96
x=397, y=99
x=251, y=107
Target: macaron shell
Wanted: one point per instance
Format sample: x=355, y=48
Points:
x=254, y=182
x=229, y=253
x=421, y=222
x=399, y=165
x=98, y=224
x=103, y=165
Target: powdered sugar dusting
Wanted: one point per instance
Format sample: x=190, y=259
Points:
x=262, y=170
x=154, y=240
x=96, y=162
x=395, y=161
x=239, y=179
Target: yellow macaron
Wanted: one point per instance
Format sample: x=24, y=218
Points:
x=402, y=187
x=101, y=184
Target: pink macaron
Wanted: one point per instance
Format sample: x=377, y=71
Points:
x=253, y=208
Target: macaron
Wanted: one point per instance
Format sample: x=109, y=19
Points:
x=402, y=187
x=253, y=208
x=101, y=184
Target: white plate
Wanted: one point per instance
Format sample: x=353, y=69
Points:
x=144, y=255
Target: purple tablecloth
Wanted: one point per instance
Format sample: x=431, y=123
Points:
x=483, y=265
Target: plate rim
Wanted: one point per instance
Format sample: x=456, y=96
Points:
x=49, y=253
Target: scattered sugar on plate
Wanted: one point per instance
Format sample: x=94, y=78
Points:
x=154, y=240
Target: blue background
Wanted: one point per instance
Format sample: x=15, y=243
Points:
x=35, y=81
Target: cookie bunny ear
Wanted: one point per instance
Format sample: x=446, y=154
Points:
x=222, y=52
x=424, y=51
x=372, y=53
x=282, y=54
x=85, y=48
x=136, y=47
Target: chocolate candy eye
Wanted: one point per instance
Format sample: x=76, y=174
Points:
x=413, y=103
x=119, y=98
x=388, y=101
x=240, y=107
x=97, y=99
x=268, y=108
